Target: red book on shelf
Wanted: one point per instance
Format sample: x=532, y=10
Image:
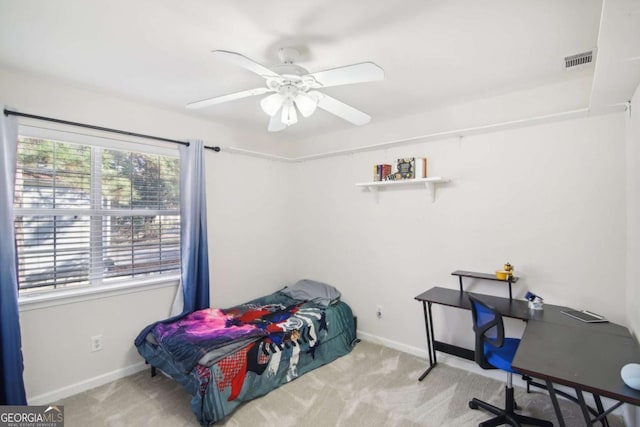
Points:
x=386, y=171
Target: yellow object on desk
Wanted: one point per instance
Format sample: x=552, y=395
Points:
x=503, y=274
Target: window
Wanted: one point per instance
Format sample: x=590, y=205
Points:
x=88, y=214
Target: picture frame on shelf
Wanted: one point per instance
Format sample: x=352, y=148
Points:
x=406, y=168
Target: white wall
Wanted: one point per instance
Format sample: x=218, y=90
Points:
x=549, y=198
x=633, y=215
x=56, y=342
x=49, y=97
x=540, y=101
x=248, y=221
x=632, y=414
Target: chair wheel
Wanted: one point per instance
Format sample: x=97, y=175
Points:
x=473, y=405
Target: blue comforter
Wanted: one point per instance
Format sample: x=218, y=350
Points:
x=276, y=340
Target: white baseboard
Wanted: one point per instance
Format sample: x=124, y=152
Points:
x=419, y=352
x=456, y=362
x=88, y=384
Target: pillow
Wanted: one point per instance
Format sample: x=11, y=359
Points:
x=310, y=290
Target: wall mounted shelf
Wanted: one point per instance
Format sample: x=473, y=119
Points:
x=429, y=183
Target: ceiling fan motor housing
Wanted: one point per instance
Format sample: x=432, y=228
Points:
x=288, y=55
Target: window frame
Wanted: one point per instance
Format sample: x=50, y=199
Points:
x=116, y=286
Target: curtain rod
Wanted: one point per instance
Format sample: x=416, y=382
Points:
x=122, y=132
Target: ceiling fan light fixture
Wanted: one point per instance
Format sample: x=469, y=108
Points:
x=289, y=114
x=272, y=103
x=306, y=104
x=275, y=124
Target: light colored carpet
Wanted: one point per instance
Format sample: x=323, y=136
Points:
x=371, y=386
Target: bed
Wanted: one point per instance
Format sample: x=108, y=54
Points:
x=224, y=357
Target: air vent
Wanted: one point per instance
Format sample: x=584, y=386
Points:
x=579, y=59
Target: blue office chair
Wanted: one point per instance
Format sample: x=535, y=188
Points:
x=494, y=351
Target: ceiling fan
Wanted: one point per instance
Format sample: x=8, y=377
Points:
x=293, y=89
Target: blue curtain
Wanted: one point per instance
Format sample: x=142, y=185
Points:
x=194, y=292
x=11, y=367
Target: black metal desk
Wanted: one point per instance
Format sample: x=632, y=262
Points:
x=516, y=309
x=584, y=356
x=554, y=347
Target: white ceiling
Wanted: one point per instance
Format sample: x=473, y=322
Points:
x=434, y=53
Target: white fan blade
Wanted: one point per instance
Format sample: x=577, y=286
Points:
x=356, y=73
x=289, y=114
x=343, y=110
x=230, y=97
x=305, y=103
x=275, y=124
x=272, y=103
x=245, y=62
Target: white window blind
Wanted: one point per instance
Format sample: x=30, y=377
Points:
x=89, y=215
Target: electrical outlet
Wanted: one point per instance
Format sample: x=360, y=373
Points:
x=379, y=312
x=96, y=343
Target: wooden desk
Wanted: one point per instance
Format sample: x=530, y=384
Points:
x=554, y=347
